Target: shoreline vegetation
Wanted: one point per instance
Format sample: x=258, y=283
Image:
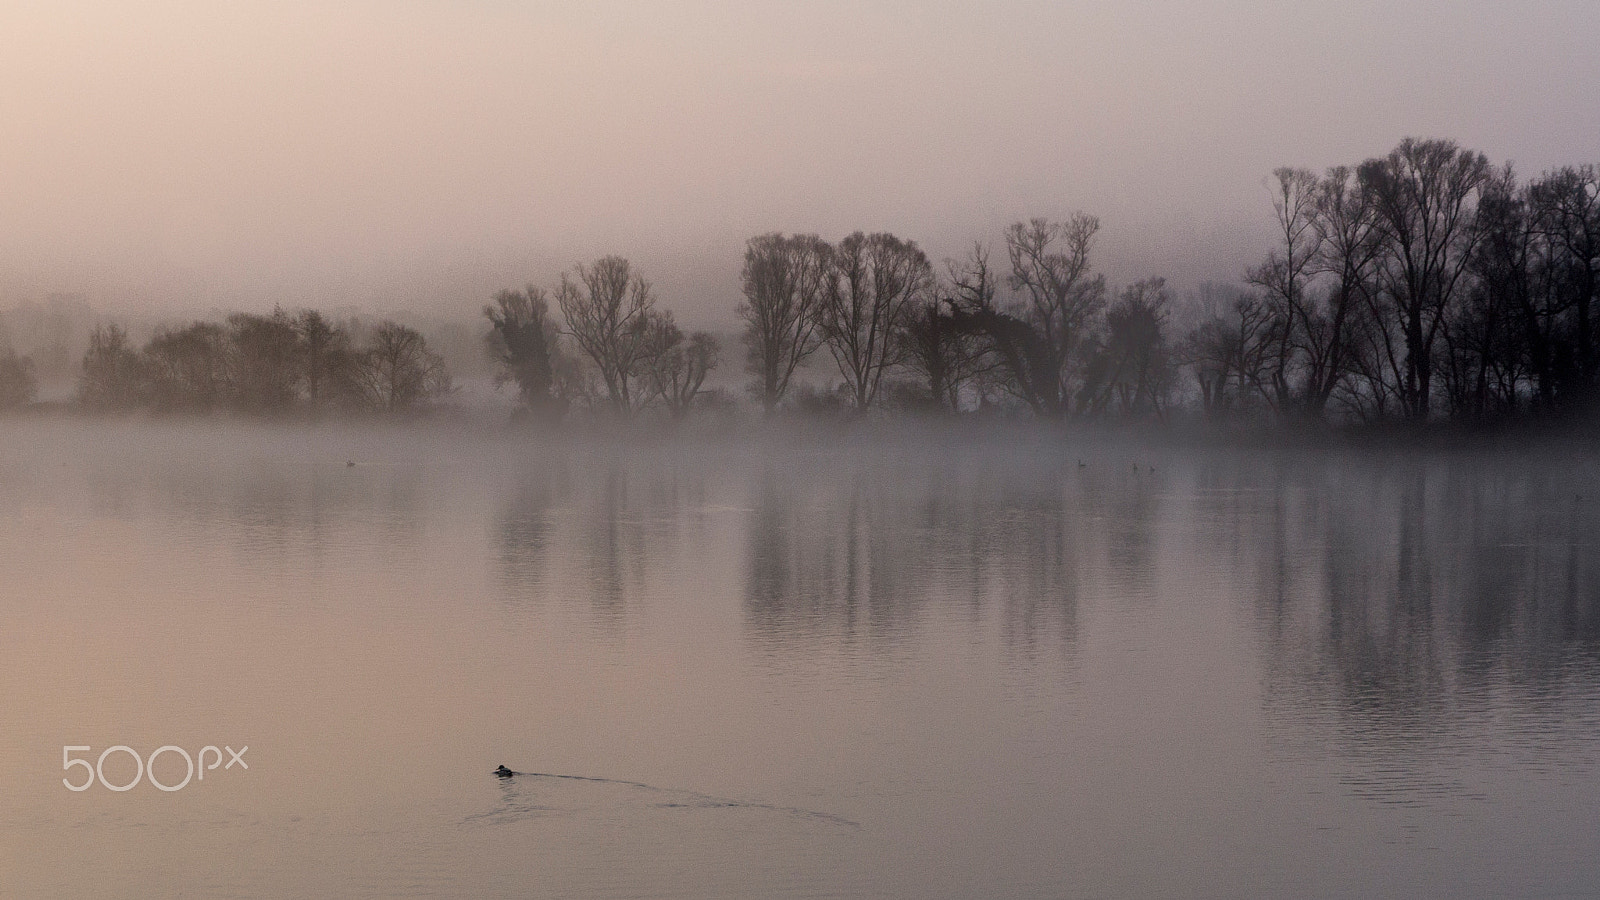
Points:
x=1425, y=295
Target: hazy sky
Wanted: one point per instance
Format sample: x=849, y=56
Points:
x=392, y=153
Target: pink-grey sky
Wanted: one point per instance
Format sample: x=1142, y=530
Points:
x=399, y=153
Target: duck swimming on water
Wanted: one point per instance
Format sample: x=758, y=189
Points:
x=504, y=772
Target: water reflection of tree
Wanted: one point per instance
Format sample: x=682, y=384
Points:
x=1408, y=598
x=525, y=532
x=1028, y=545
x=861, y=555
x=1123, y=507
x=818, y=566
x=613, y=548
x=589, y=529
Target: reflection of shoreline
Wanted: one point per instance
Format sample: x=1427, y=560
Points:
x=836, y=550
x=856, y=556
x=1420, y=607
x=1391, y=588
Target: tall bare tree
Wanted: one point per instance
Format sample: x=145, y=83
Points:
x=397, y=371
x=265, y=357
x=676, y=365
x=1060, y=299
x=326, y=359
x=1348, y=248
x=608, y=308
x=873, y=285
x=188, y=367
x=1020, y=359
x=114, y=375
x=1133, y=368
x=522, y=340
x=783, y=281
x=1210, y=349
x=1504, y=327
x=1566, y=209
x=1230, y=349
x=1283, y=278
x=942, y=348
x=943, y=355
x=1424, y=194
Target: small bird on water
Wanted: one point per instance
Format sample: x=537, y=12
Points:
x=504, y=772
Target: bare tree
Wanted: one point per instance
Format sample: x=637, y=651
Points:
x=1133, y=366
x=265, y=361
x=940, y=353
x=676, y=365
x=1566, y=210
x=1503, y=328
x=523, y=342
x=1021, y=361
x=783, y=281
x=189, y=367
x=941, y=347
x=1348, y=249
x=873, y=285
x=1037, y=339
x=1229, y=349
x=607, y=309
x=1424, y=195
x=1283, y=279
x=326, y=359
x=114, y=376
x=1311, y=286
x=398, y=371
x=1210, y=350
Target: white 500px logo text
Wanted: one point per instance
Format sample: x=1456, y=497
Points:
x=146, y=767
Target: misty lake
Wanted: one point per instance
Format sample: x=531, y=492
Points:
x=788, y=665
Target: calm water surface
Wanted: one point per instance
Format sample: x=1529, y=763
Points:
x=794, y=667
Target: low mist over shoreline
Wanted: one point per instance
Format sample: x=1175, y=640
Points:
x=1424, y=286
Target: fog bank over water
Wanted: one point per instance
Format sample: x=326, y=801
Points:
x=172, y=154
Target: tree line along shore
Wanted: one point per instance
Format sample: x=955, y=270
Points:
x=1424, y=286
